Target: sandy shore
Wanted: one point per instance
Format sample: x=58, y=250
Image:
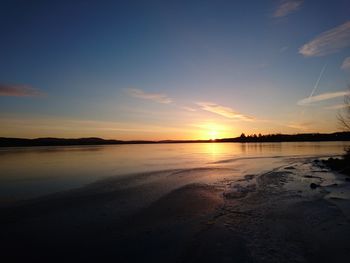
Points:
x=272, y=216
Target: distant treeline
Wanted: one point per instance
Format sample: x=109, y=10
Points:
x=13, y=142
x=305, y=137
x=302, y=137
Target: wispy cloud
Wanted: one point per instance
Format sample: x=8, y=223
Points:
x=328, y=42
x=188, y=108
x=157, y=97
x=286, y=7
x=19, y=90
x=346, y=64
x=49, y=126
x=337, y=107
x=301, y=126
x=223, y=111
x=322, y=97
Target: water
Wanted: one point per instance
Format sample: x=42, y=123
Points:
x=36, y=171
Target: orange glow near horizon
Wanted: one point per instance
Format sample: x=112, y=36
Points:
x=196, y=129
x=213, y=131
x=213, y=134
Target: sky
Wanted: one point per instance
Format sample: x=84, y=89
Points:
x=155, y=70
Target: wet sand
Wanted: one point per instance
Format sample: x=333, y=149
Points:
x=272, y=216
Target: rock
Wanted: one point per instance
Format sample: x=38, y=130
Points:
x=314, y=186
x=235, y=194
x=290, y=168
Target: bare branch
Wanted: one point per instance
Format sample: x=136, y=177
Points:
x=344, y=116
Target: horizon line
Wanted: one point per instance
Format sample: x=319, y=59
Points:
x=53, y=141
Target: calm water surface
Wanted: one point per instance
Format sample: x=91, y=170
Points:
x=35, y=171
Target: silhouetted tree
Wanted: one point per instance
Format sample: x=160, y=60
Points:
x=344, y=116
x=344, y=119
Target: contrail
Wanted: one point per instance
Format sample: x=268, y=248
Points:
x=315, y=87
x=318, y=80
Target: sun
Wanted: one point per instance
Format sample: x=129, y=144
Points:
x=213, y=134
x=213, y=131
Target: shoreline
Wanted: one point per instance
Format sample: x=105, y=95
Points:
x=272, y=216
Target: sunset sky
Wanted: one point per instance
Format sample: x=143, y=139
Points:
x=172, y=69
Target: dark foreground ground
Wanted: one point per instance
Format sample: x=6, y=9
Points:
x=270, y=217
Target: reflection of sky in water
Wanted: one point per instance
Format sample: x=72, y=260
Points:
x=40, y=170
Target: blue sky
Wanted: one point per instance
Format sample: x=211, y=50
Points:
x=172, y=69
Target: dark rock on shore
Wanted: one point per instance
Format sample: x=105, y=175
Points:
x=341, y=165
x=290, y=168
x=314, y=186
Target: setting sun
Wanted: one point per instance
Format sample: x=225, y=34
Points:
x=212, y=131
x=213, y=134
